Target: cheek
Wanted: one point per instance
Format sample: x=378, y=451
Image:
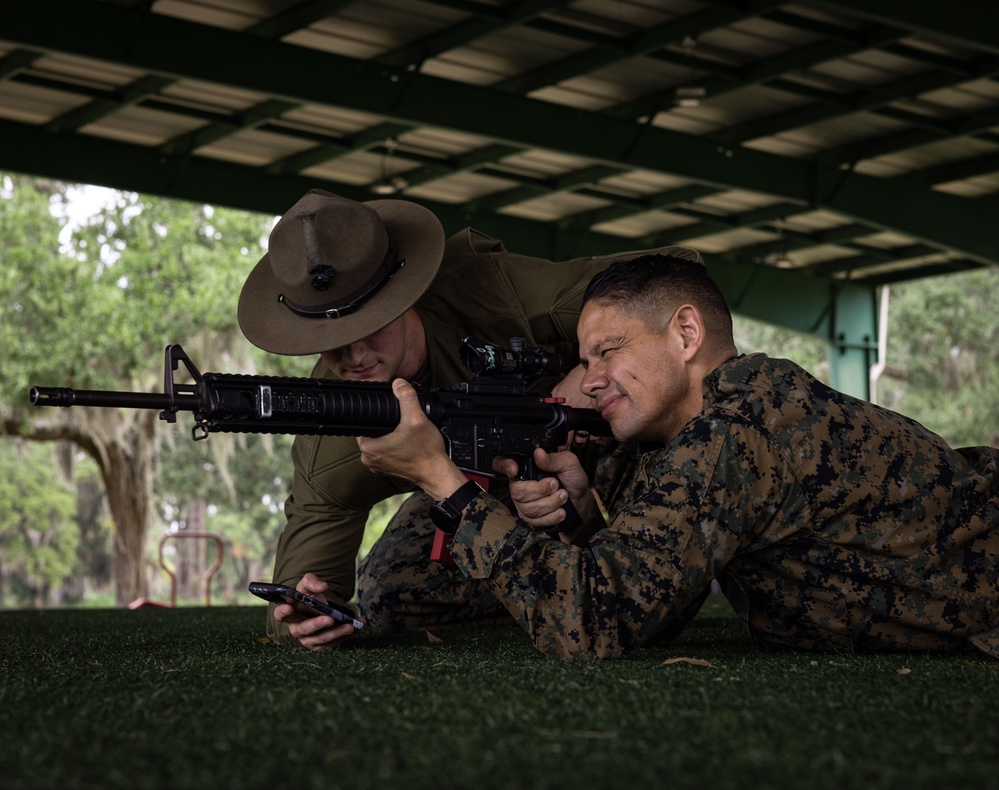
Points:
x=385, y=344
x=626, y=373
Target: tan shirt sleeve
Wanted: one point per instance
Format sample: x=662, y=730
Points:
x=332, y=495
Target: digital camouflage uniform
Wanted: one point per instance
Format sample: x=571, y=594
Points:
x=481, y=290
x=830, y=523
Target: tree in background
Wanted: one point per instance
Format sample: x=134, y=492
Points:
x=775, y=341
x=942, y=365
x=147, y=272
x=943, y=355
x=141, y=274
x=36, y=554
x=233, y=484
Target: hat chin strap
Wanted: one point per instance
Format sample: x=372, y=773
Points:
x=353, y=300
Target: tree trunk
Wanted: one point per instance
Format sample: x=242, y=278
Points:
x=123, y=444
x=126, y=473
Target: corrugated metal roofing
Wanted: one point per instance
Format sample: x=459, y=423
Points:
x=843, y=138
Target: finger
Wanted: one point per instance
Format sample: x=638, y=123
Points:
x=292, y=613
x=328, y=639
x=554, y=463
x=546, y=521
x=540, y=503
x=286, y=613
x=523, y=491
x=318, y=633
x=543, y=507
x=545, y=461
x=312, y=584
x=507, y=467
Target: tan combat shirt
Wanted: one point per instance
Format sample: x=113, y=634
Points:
x=831, y=524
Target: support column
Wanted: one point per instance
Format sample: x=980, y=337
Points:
x=842, y=313
x=853, y=344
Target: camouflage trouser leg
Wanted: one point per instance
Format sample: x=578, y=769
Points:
x=400, y=587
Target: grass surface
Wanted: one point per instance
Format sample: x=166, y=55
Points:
x=193, y=698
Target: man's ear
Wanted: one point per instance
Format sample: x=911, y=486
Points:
x=690, y=324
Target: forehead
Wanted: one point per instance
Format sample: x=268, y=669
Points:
x=596, y=314
x=600, y=323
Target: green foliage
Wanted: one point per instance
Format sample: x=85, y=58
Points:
x=943, y=355
x=93, y=578
x=38, y=536
x=775, y=341
x=168, y=274
x=33, y=275
x=244, y=491
x=98, y=312
x=141, y=274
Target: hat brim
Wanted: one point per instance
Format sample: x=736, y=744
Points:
x=267, y=323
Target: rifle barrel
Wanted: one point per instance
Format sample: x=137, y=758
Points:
x=64, y=396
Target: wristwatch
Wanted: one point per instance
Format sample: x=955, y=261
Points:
x=446, y=514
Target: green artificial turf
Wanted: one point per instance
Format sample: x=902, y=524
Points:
x=192, y=697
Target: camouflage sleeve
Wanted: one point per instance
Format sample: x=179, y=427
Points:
x=599, y=601
x=641, y=575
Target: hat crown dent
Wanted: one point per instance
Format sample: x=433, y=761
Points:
x=323, y=232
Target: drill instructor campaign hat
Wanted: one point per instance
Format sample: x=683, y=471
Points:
x=336, y=271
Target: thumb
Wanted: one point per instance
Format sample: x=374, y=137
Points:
x=406, y=395
x=552, y=462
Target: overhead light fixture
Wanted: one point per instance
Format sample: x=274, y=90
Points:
x=689, y=95
x=389, y=185
x=780, y=259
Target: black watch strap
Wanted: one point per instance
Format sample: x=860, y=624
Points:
x=446, y=514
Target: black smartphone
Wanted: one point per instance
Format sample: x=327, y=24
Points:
x=282, y=593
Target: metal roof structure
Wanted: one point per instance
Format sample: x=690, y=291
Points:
x=810, y=150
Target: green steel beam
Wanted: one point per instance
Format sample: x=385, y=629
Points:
x=841, y=313
x=966, y=24
x=819, y=307
x=750, y=289
x=168, y=46
x=126, y=166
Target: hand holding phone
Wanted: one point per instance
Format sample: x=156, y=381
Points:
x=282, y=593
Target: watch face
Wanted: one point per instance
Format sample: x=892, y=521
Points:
x=442, y=518
x=446, y=514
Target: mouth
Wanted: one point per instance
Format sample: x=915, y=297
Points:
x=361, y=374
x=606, y=406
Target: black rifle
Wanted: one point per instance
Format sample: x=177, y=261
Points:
x=490, y=415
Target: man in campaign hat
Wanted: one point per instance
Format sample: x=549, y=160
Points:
x=329, y=257
x=377, y=292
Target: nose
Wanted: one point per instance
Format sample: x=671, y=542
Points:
x=345, y=356
x=352, y=353
x=592, y=382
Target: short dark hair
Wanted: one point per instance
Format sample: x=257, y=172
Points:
x=655, y=286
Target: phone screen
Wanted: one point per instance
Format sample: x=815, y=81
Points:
x=282, y=593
